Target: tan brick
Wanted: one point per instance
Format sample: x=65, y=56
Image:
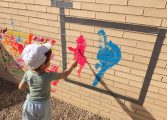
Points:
x=163, y=91
x=145, y=45
x=99, y=107
x=4, y=4
x=164, y=48
x=134, y=65
x=137, y=85
x=28, y=25
x=136, y=88
x=9, y=10
x=157, y=96
x=79, y=100
x=25, y=1
x=92, y=49
x=72, y=33
x=77, y=5
x=126, y=10
x=67, y=12
x=90, y=100
x=155, y=12
x=129, y=76
x=47, y=16
x=90, y=36
x=159, y=84
x=154, y=107
x=132, y=95
x=17, y=5
x=141, y=59
x=144, y=20
x=161, y=71
x=164, y=23
x=132, y=50
x=4, y=15
x=149, y=100
x=138, y=72
x=82, y=28
x=158, y=115
x=74, y=94
x=110, y=16
x=41, y=33
x=36, y=8
x=22, y=29
x=54, y=23
x=121, y=68
x=43, y=2
x=127, y=56
x=95, y=7
x=148, y=3
x=161, y=63
x=20, y=18
x=140, y=37
x=164, y=79
x=82, y=13
x=93, y=109
x=49, y=29
x=116, y=78
x=165, y=41
x=154, y=89
x=124, y=41
x=117, y=2
x=161, y=103
x=163, y=56
x=52, y=10
x=38, y=21
x=85, y=0
x=27, y=13
x=157, y=77
x=9, y=0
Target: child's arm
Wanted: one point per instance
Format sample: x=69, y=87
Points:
x=22, y=85
x=69, y=70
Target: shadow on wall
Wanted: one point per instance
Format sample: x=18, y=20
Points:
x=135, y=111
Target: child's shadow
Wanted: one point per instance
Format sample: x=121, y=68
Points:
x=135, y=111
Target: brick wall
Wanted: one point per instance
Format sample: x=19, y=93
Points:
x=127, y=78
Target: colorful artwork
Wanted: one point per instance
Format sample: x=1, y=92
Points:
x=79, y=53
x=108, y=55
x=14, y=42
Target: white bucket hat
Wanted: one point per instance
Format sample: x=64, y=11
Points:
x=34, y=54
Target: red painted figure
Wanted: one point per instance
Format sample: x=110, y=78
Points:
x=79, y=53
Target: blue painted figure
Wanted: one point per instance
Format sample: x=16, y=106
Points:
x=108, y=56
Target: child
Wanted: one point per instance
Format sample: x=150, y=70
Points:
x=37, y=105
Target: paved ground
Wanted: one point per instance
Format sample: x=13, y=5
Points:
x=11, y=101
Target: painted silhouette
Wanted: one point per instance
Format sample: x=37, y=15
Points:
x=108, y=55
x=79, y=53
